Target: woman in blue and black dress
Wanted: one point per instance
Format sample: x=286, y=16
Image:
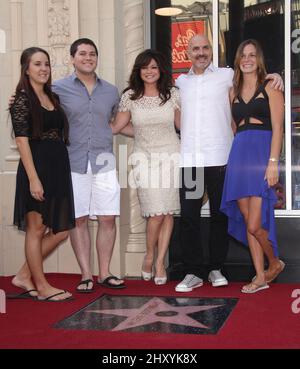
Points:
x=44, y=206
x=252, y=171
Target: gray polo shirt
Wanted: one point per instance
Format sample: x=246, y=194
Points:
x=89, y=117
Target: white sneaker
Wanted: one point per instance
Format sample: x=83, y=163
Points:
x=217, y=279
x=189, y=282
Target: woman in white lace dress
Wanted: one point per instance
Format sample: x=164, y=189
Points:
x=149, y=110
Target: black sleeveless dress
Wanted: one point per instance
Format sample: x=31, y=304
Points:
x=51, y=162
x=247, y=164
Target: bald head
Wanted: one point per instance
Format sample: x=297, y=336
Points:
x=200, y=53
x=200, y=38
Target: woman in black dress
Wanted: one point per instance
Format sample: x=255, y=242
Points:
x=44, y=206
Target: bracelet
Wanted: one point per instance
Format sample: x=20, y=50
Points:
x=274, y=160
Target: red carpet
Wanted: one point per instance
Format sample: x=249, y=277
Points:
x=262, y=320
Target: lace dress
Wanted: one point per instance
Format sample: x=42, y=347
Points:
x=51, y=162
x=155, y=157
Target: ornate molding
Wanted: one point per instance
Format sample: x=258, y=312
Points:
x=62, y=30
x=59, y=22
x=12, y=158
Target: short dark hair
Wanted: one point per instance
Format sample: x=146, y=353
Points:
x=80, y=41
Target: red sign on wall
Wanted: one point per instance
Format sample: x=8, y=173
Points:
x=182, y=32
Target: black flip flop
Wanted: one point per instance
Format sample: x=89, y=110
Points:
x=85, y=290
x=106, y=283
x=50, y=298
x=22, y=296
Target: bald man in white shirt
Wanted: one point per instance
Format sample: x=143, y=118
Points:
x=206, y=138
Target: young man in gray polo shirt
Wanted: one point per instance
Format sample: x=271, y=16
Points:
x=89, y=103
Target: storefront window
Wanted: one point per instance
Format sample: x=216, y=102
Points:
x=261, y=20
x=196, y=18
x=171, y=34
x=295, y=101
x=264, y=21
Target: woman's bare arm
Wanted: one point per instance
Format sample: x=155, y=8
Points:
x=276, y=102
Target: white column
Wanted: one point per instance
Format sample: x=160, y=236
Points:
x=134, y=38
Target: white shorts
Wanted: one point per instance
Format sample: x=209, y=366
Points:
x=96, y=194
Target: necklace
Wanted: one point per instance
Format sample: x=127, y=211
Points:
x=49, y=108
x=45, y=103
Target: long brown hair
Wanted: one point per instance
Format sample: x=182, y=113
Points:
x=261, y=68
x=24, y=86
x=165, y=82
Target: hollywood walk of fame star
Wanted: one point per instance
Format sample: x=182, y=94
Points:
x=154, y=311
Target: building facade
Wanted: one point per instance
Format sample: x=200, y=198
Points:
x=123, y=28
x=118, y=27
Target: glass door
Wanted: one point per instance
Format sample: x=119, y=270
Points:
x=276, y=25
x=264, y=21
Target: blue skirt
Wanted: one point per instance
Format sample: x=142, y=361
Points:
x=245, y=174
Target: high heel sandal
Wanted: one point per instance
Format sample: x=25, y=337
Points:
x=160, y=280
x=146, y=276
